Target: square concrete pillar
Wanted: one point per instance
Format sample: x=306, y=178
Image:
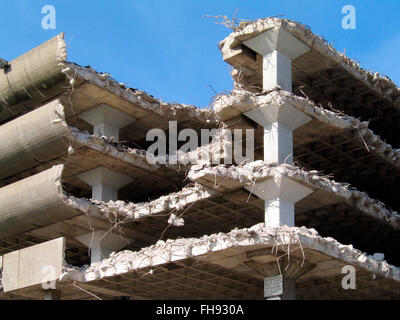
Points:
x=278, y=48
x=106, y=120
x=280, y=193
x=105, y=183
x=102, y=244
x=279, y=122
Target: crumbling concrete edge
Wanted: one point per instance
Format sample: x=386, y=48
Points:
x=53, y=138
x=34, y=201
x=249, y=174
x=164, y=252
x=241, y=101
x=122, y=212
x=382, y=85
x=45, y=62
x=140, y=98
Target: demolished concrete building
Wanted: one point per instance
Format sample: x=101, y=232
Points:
x=85, y=215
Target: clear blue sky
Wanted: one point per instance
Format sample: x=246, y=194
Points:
x=166, y=48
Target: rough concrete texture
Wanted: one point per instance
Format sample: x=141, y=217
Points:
x=227, y=178
x=32, y=78
x=220, y=178
x=43, y=136
x=256, y=237
x=240, y=101
x=32, y=202
x=145, y=101
x=382, y=85
x=50, y=76
x=34, y=138
x=122, y=212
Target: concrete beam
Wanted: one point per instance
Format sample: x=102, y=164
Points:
x=106, y=120
x=39, y=264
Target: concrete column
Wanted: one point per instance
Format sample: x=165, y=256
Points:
x=106, y=121
x=105, y=184
x=277, y=71
x=279, y=274
x=279, y=122
x=278, y=48
x=280, y=193
x=102, y=243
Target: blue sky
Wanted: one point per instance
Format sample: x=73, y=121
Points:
x=167, y=49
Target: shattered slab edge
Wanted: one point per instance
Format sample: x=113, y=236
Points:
x=125, y=212
x=164, y=252
x=249, y=174
x=242, y=101
x=382, y=85
x=137, y=97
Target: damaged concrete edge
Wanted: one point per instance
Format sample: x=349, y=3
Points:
x=236, y=177
x=39, y=200
x=132, y=156
x=32, y=139
x=140, y=98
x=48, y=63
x=32, y=78
x=164, y=252
x=43, y=135
x=382, y=85
x=240, y=101
x=33, y=202
x=125, y=212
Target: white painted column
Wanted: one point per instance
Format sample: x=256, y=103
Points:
x=278, y=48
x=105, y=184
x=106, y=121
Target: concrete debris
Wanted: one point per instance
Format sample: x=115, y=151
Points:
x=378, y=256
x=176, y=221
x=257, y=236
x=124, y=212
